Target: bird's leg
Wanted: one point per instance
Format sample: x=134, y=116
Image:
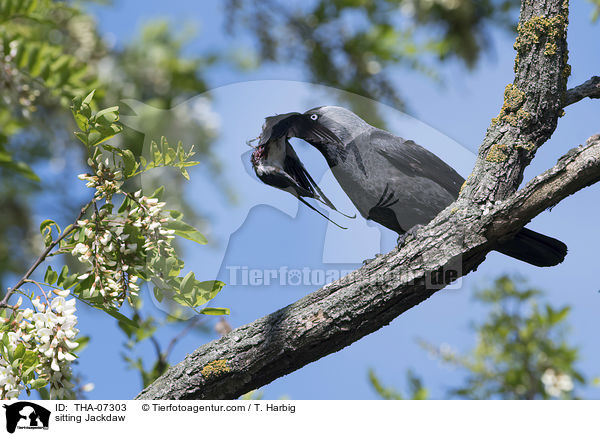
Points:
x=411, y=232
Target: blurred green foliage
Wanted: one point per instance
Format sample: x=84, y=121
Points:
x=349, y=44
x=416, y=390
x=51, y=52
x=522, y=350
x=596, y=12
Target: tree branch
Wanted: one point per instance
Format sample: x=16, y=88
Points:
x=342, y=312
x=590, y=88
x=43, y=256
x=487, y=211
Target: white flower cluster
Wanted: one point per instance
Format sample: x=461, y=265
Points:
x=48, y=331
x=10, y=383
x=107, y=251
x=18, y=90
x=116, y=262
x=556, y=383
x=151, y=219
x=106, y=181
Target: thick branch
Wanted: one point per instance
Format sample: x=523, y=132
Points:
x=590, y=89
x=344, y=311
x=532, y=103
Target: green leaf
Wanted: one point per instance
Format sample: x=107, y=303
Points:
x=186, y=231
x=127, y=328
x=129, y=162
x=175, y=214
x=200, y=292
x=215, y=311
x=108, y=115
x=158, y=294
x=51, y=276
x=48, y=223
x=157, y=158
x=124, y=205
x=70, y=281
x=19, y=167
x=94, y=137
x=187, y=283
x=89, y=97
x=44, y=395
x=46, y=230
x=210, y=288
x=158, y=193
x=19, y=351
x=30, y=359
x=38, y=383
x=82, y=122
x=83, y=342
x=82, y=137
x=5, y=340
x=29, y=365
x=118, y=315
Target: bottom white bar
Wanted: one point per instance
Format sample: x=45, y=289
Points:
x=275, y=417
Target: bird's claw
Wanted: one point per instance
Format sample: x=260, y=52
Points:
x=411, y=232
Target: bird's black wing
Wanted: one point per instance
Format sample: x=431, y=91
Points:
x=415, y=161
x=296, y=125
x=387, y=218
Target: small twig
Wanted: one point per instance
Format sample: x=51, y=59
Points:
x=40, y=288
x=159, y=353
x=590, y=89
x=162, y=361
x=197, y=320
x=42, y=257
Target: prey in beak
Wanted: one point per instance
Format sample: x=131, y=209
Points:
x=276, y=164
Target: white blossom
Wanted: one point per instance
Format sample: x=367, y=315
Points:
x=555, y=384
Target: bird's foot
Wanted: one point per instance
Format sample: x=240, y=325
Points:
x=411, y=232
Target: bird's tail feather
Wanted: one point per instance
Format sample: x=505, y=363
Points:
x=534, y=248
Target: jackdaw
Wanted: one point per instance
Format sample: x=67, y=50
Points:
x=394, y=181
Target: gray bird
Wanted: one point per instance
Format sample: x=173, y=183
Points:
x=276, y=163
x=396, y=182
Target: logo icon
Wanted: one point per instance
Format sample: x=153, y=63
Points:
x=26, y=415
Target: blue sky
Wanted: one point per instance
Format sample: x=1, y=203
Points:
x=451, y=119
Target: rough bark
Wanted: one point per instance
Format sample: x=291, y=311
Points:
x=532, y=103
x=488, y=210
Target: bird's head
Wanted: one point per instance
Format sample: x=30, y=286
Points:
x=344, y=123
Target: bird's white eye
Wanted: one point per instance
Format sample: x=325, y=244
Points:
x=314, y=117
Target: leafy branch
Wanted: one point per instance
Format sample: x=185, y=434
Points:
x=117, y=250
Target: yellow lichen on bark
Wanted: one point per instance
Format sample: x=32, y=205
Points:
x=498, y=153
x=216, y=368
